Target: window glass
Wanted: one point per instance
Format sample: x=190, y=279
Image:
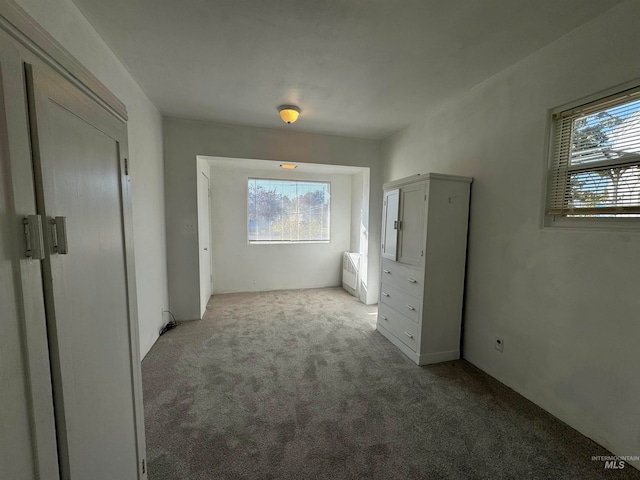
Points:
x=595, y=170
x=288, y=211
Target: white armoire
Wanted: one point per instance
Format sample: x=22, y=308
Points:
x=424, y=243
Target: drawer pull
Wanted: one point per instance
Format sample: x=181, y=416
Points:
x=386, y=271
x=408, y=334
x=383, y=317
x=410, y=307
x=412, y=280
x=385, y=294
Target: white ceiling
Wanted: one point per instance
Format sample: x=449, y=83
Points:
x=364, y=68
x=271, y=165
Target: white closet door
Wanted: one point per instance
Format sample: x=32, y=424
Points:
x=17, y=458
x=78, y=148
x=204, y=241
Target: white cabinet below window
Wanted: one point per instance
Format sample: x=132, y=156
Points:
x=424, y=243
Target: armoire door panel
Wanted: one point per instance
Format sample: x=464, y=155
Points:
x=411, y=238
x=390, y=224
x=77, y=164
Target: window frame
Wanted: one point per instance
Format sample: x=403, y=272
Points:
x=287, y=242
x=585, y=223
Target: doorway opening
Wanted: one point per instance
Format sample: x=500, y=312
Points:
x=204, y=234
x=239, y=263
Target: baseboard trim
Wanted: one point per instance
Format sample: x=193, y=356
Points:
x=577, y=423
x=427, y=358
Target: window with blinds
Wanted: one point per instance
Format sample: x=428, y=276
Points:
x=291, y=211
x=595, y=164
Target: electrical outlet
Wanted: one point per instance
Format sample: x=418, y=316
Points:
x=499, y=344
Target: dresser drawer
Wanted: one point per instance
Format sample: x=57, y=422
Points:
x=404, y=303
x=405, y=277
x=402, y=328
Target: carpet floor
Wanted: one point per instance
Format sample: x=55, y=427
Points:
x=299, y=385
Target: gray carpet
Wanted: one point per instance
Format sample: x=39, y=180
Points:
x=299, y=385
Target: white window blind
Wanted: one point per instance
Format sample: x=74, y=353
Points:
x=595, y=166
x=288, y=211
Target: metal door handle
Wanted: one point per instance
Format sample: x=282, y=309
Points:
x=410, y=307
x=385, y=294
x=412, y=280
x=386, y=271
x=408, y=334
x=59, y=233
x=383, y=317
x=33, y=237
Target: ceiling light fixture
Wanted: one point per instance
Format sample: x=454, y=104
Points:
x=288, y=166
x=289, y=113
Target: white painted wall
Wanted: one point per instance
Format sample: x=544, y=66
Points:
x=184, y=140
x=67, y=25
x=565, y=302
x=240, y=267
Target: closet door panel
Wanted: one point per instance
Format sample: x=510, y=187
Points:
x=77, y=163
x=16, y=456
x=27, y=431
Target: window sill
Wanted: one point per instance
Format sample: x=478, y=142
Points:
x=600, y=224
x=285, y=242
